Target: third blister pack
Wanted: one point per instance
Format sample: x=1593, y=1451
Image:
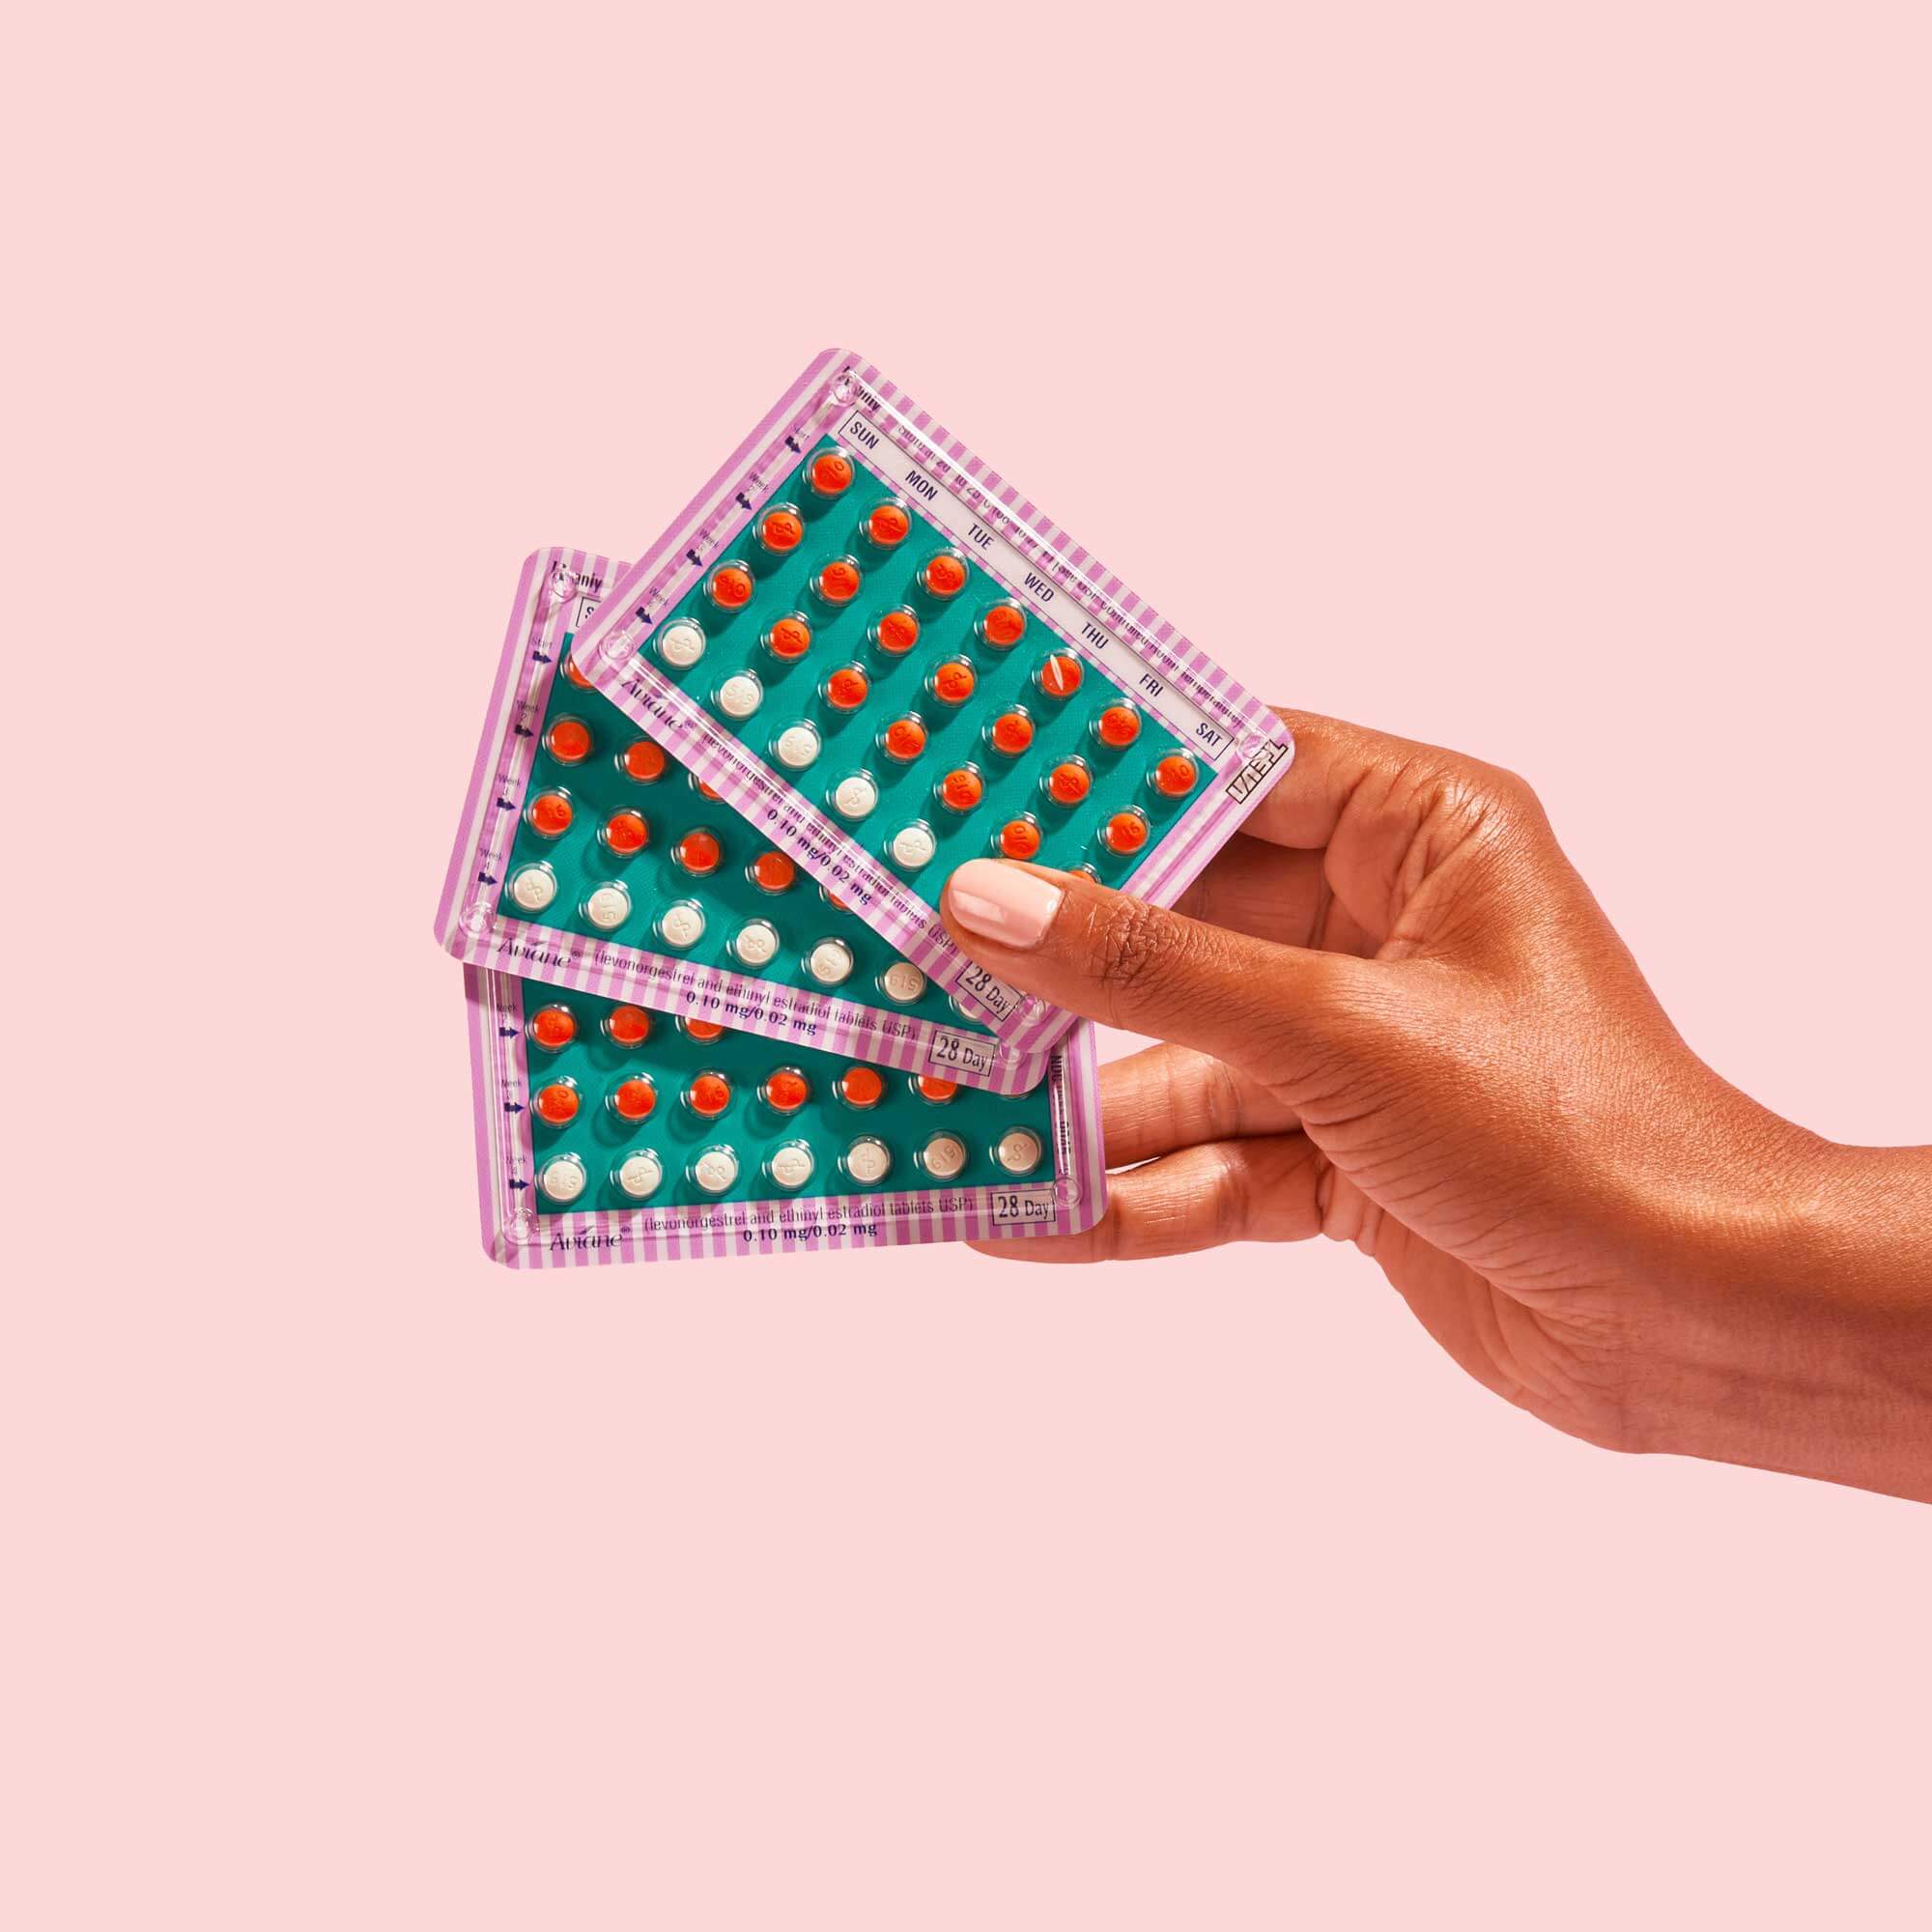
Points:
x=888, y=662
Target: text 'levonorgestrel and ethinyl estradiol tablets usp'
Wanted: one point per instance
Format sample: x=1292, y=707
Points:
x=609, y=1132
x=587, y=856
x=888, y=662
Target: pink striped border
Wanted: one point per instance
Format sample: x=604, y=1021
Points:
x=471, y=923
x=516, y=1236
x=832, y=384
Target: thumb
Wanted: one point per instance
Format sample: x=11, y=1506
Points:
x=1125, y=964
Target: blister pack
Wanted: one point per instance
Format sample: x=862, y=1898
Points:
x=606, y=1131
x=888, y=663
x=589, y=856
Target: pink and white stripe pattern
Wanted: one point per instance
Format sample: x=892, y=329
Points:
x=516, y=1235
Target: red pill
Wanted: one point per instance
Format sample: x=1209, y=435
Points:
x=934, y=1088
x=703, y=1029
x=1011, y=733
x=634, y=1097
x=896, y=632
x=730, y=587
x=952, y=682
x=1019, y=839
x=700, y=852
x=1117, y=726
x=552, y=1028
x=839, y=582
x=904, y=739
x=830, y=472
x=789, y=639
x=550, y=813
x=568, y=741
x=1058, y=675
x=1174, y=775
x=1068, y=782
x=628, y=1026
x=772, y=872
x=787, y=1090
x=861, y=1087
x=1124, y=832
x=576, y=676
x=1003, y=625
x=708, y=1094
x=781, y=529
x=887, y=524
x=557, y=1104
x=702, y=790
x=643, y=762
x=962, y=790
x=626, y=832
x=944, y=575
x=847, y=688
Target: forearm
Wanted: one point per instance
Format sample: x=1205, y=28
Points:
x=1808, y=1348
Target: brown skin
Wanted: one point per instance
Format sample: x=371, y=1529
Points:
x=1396, y=1015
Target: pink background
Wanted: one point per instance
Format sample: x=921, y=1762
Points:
x=1552, y=383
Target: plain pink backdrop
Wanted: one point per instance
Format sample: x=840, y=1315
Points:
x=1550, y=382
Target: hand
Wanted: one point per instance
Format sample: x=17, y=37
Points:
x=1394, y=1014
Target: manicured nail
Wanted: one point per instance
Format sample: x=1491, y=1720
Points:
x=1002, y=903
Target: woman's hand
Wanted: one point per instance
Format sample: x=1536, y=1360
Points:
x=1394, y=1014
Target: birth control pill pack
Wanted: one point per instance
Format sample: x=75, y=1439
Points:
x=589, y=856
x=609, y=1131
x=888, y=662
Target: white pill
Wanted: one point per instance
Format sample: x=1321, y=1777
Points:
x=904, y=982
x=740, y=695
x=913, y=846
x=830, y=962
x=681, y=645
x=641, y=1174
x=757, y=942
x=798, y=745
x=715, y=1170
x=533, y=887
x=945, y=1156
x=1019, y=1150
x=792, y=1164
x=856, y=796
x=869, y=1160
x=562, y=1177
x=607, y=907
x=681, y=926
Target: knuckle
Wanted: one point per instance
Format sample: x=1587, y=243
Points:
x=1131, y=944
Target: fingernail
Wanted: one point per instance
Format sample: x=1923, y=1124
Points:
x=1002, y=903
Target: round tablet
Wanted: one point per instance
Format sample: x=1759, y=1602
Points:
x=643, y=762
x=708, y=1094
x=557, y=1104
x=1003, y=625
x=838, y=582
x=902, y=981
x=1019, y=1150
x=830, y=472
x=628, y=1026
x=944, y=575
x=792, y=1164
x=868, y=1159
x=1126, y=831
x=1019, y=839
x=1117, y=726
x=847, y=688
x=740, y=695
x=887, y=524
x=861, y=1087
x=854, y=796
x=913, y=846
x=702, y=790
x=568, y=741
x=830, y=962
x=756, y=942
x=681, y=643
x=699, y=851
x=952, y=681
x=1011, y=732
x=772, y=872
x=934, y=1088
x=532, y=887
x=562, y=1177
x=701, y=1029
x=571, y=672
x=626, y=832
x=715, y=1169
x=797, y=746
x=961, y=790
x=681, y=924
x=549, y=813
x=781, y=529
x=1069, y=781
x=641, y=1174
x=1174, y=776
x=607, y=907
x=945, y=1156
x=790, y=638
x=903, y=739
x=786, y=1091
x=552, y=1028
x=1058, y=675
x=729, y=586
x=634, y=1097
x=895, y=632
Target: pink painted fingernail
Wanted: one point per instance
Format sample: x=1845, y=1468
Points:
x=1002, y=903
